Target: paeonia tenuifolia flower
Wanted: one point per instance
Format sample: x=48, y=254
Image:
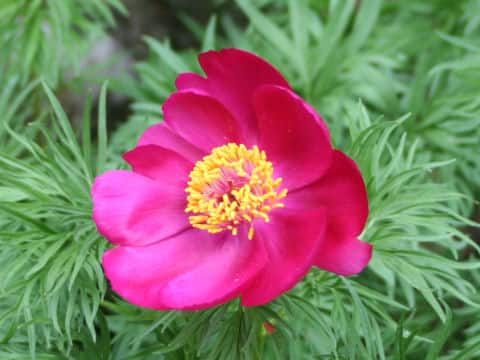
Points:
x=236, y=194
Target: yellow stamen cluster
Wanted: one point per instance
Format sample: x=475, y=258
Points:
x=231, y=186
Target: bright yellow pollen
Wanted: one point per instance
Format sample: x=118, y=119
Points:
x=231, y=186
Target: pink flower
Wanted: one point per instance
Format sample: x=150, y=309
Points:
x=237, y=194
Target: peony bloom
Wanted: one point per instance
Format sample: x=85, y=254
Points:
x=237, y=194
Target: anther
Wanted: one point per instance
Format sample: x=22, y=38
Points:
x=231, y=186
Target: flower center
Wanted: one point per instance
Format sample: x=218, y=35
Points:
x=231, y=186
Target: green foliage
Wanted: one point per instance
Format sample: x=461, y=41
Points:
x=40, y=37
x=439, y=83
x=52, y=282
x=397, y=83
x=16, y=109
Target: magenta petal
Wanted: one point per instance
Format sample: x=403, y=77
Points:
x=160, y=134
x=192, y=81
x=233, y=75
x=343, y=193
x=200, y=119
x=291, y=135
x=292, y=240
x=190, y=271
x=167, y=167
x=346, y=256
x=130, y=209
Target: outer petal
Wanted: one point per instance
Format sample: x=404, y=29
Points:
x=291, y=136
x=130, y=209
x=342, y=191
x=292, y=240
x=347, y=256
x=166, y=166
x=162, y=135
x=192, y=81
x=200, y=119
x=232, y=76
x=193, y=270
